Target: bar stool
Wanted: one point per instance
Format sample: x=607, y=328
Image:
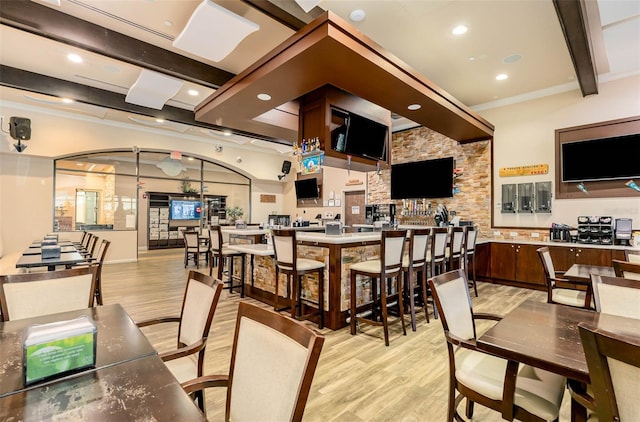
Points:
x=436, y=262
x=193, y=248
x=222, y=255
x=387, y=267
x=285, y=248
x=454, y=252
x=470, y=257
x=413, y=263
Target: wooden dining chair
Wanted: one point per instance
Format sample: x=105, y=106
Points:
x=613, y=360
x=515, y=390
x=98, y=261
x=414, y=264
x=616, y=295
x=381, y=271
x=273, y=361
x=632, y=256
x=193, y=248
x=285, y=248
x=626, y=269
x=201, y=296
x=34, y=294
x=470, y=257
x=455, y=250
x=561, y=295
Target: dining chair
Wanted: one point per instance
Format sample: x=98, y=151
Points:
x=33, y=294
x=201, y=296
x=222, y=256
x=386, y=268
x=613, y=360
x=561, y=295
x=414, y=264
x=438, y=250
x=193, y=248
x=616, y=295
x=515, y=390
x=632, y=256
x=470, y=257
x=626, y=269
x=273, y=361
x=454, y=252
x=98, y=261
x=285, y=248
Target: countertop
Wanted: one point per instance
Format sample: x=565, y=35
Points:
x=530, y=241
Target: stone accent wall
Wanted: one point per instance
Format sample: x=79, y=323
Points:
x=474, y=200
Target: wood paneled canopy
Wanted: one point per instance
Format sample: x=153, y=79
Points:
x=329, y=51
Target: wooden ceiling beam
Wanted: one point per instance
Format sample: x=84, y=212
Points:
x=573, y=20
x=46, y=22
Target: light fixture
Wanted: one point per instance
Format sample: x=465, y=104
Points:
x=72, y=57
x=193, y=92
x=414, y=107
x=159, y=120
x=501, y=77
x=632, y=185
x=459, y=30
x=67, y=100
x=307, y=5
x=152, y=89
x=264, y=97
x=357, y=15
x=171, y=167
x=212, y=32
x=582, y=188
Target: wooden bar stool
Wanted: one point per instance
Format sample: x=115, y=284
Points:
x=436, y=262
x=455, y=250
x=223, y=256
x=285, y=248
x=389, y=266
x=470, y=257
x=416, y=263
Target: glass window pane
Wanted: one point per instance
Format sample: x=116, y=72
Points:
x=122, y=162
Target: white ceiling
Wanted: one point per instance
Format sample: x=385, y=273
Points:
x=416, y=31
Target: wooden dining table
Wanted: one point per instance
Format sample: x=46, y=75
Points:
x=129, y=380
x=546, y=336
x=581, y=273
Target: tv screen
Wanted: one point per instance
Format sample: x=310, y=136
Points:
x=423, y=179
x=307, y=188
x=601, y=159
x=365, y=138
x=185, y=209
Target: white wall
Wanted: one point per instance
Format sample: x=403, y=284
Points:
x=525, y=135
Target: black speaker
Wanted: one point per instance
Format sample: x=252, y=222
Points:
x=20, y=128
x=286, y=166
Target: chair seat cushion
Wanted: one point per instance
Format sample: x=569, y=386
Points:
x=308, y=264
x=537, y=391
x=406, y=261
x=184, y=369
x=373, y=266
x=569, y=297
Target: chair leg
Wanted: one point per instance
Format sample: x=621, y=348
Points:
x=473, y=269
x=469, y=409
x=275, y=299
x=321, y=296
x=98, y=293
x=401, y=305
x=383, y=305
x=353, y=303
x=425, y=295
x=293, y=292
x=412, y=301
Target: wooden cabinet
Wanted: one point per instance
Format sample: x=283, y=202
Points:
x=503, y=260
x=516, y=262
x=528, y=266
x=565, y=256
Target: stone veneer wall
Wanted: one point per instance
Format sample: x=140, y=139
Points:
x=474, y=200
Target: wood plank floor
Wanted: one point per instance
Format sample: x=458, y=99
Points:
x=357, y=379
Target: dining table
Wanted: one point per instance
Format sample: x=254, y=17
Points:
x=581, y=273
x=546, y=336
x=70, y=254
x=128, y=382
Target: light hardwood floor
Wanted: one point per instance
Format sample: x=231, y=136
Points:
x=357, y=379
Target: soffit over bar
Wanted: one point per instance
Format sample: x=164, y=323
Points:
x=329, y=51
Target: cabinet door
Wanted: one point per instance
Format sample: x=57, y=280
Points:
x=483, y=260
x=593, y=256
x=503, y=261
x=528, y=266
x=563, y=257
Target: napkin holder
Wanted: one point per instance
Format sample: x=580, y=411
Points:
x=50, y=251
x=333, y=228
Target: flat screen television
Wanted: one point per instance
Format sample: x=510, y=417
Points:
x=365, y=138
x=307, y=188
x=181, y=209
x=423, y=179
x=601, y=159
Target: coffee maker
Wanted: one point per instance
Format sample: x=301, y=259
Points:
x=623, y=231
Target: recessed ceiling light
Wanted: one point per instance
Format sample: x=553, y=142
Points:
x=227, y=133
x=74, y=58
x=190, y=158
x=501, y=77
x=459, y=30
x=264, y=97
x=512, y=58
x=193, y=92
x=67, y=100
x=168, y=23
x=414, y=107
x=357, y=15
x=159, y=120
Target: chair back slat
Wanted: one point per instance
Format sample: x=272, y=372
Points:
x=440, y=235
x=457, y=240
x=391, y=250
x=419, y=240
x=472, y=236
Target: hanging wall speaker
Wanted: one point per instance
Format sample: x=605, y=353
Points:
x=286, y=166
x=20, y=128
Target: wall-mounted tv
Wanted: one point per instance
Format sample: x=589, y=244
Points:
x=423, y=179
x=307, y=188
x=360, y=136
x=601, y=159
x=180, y=209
